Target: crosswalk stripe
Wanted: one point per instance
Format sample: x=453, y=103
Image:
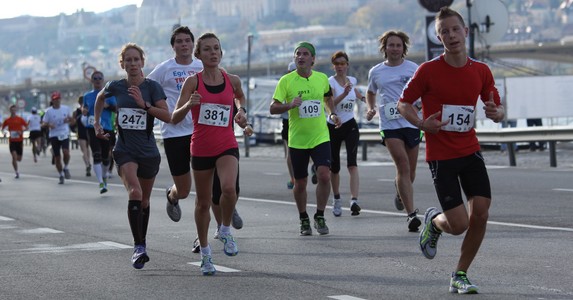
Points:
x=217, y=267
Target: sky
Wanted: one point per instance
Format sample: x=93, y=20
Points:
x=50, y=8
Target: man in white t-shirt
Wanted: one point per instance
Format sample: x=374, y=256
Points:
x=58, y=119
x=35, y=127
x=387, y=79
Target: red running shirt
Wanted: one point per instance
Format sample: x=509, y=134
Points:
x=438, y=84
x=16, y=126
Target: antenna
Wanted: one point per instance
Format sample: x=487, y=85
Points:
x=491, y=20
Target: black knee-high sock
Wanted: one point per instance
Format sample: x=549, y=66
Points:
x=134, y=215
x=144, y=223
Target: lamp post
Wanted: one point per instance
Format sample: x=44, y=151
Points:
x=249, y=44
x=472, y=28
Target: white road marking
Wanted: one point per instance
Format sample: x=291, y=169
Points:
x=5, y=219
x=7, y=227
x=41, y=230
x=217, y=267
x=47, y=248
x=563, y=190
x=116, y=245
x=344, y=297
x=375, y=164
x=379, y=212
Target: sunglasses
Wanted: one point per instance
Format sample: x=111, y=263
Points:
x=98, y=78
x=341, y=63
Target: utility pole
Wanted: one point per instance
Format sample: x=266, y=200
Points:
x=245, y=136
x=472, y=27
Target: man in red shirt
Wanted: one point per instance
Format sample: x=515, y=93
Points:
x=449, y=87
x=16, y=125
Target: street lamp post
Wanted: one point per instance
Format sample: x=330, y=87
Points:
x=249, y=44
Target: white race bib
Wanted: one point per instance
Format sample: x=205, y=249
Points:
x=460, y=117
x=91, y=120
x=14, y=134
x=309, y=109
x=391, y=111
x=214, y=114
x=132, y=118
x=346, y=106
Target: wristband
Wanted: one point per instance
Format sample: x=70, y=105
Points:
x=243, y=109
x=421, y=124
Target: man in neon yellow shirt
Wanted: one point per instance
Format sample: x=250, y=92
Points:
x=305, y=94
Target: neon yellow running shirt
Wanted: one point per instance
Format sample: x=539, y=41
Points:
x=307, y=123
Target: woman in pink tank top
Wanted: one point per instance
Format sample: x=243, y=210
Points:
x=211, y=97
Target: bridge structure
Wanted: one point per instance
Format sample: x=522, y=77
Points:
x=37, y=94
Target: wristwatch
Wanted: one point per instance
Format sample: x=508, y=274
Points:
x=147, y=106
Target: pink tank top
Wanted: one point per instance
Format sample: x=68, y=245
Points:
x=213, y=120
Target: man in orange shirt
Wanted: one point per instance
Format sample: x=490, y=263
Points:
x=16, y=125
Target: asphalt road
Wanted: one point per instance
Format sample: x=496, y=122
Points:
x=69, y=242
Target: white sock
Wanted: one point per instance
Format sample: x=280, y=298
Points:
x=206, y=250
x=225, y=229
x=98, y=172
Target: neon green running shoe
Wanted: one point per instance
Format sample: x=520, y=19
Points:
x=461, y=284
x=429, y=235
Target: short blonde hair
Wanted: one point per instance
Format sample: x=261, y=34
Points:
x=130, y=46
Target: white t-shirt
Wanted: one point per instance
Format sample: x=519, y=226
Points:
x=171, y=76
x=388, y=82
x=345, y=108
x=56, y=116
x=34, y=122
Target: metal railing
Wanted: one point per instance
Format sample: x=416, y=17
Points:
x=551, y=135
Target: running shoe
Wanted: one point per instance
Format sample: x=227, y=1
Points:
x=196, y=246
x=173, y=210
x=17, y=176
x=89, y=171
x=413, y=221
x=305, y=227
x=139, y=257
x=459, y=283
x=429, y=235
x=320, y=225
x=354, y=208
x=217, y=233
x=207, y=266
x=237, y=221
x=336, y=207
x=397, y=200
x=67, y=174
x=61, y=179
x=314, y=179
x=290, y=185
x=230, y=246
x=102, y=188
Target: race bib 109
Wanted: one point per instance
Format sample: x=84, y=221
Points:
x=309, y=109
